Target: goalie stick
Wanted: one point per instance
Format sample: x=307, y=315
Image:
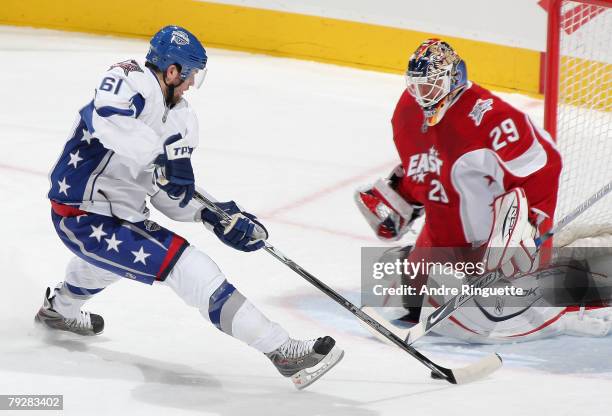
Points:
x=472, y=372
x=446, y=310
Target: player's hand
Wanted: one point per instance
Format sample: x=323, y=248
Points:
x=387, y=212
x=174, y=173
x=243, y=232
x=511, y=246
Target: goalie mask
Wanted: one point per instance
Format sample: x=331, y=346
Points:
x=435, y=76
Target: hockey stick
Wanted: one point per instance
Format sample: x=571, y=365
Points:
x=446, y=310
x=472, y=372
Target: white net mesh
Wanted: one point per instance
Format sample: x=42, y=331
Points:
x=584, y=111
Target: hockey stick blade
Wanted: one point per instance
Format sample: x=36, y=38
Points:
x=454, y=376
x=473, y=372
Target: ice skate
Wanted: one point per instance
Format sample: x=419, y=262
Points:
x=306, y=361
x=84, y=324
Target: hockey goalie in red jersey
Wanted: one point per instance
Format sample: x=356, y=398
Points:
x=464, y=152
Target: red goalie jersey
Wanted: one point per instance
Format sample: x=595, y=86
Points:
x=481, y=148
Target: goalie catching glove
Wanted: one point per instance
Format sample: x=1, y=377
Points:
x=511, y=246
x=387, y=212
x=243, y=231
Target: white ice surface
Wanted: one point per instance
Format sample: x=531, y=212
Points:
x=289, y=140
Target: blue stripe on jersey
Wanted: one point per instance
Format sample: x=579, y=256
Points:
x=86, y=115
x=112, y=111
x=139, y=102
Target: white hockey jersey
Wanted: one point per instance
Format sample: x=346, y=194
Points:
x=106, y=166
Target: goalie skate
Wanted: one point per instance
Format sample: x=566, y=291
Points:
x=85, y=324
x=306, y=361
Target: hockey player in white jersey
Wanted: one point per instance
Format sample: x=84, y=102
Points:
x=133, y=143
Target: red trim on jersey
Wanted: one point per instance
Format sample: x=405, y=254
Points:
x=66, y=210
x=177, y=246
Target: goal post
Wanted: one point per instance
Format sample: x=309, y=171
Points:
x=578, y=104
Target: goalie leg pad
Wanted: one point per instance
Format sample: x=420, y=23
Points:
x=588, y=321
x=511, y=246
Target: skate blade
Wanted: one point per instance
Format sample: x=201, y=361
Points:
x=45, y=328
x=307, y=376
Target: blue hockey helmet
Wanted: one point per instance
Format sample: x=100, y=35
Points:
x=435, y=73
x=174, y=45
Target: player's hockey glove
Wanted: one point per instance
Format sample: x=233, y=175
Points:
x=511, y=246
x=387, y=212
x=174, y=173
x=243, y=232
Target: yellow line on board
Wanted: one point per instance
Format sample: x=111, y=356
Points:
x=277, y=33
